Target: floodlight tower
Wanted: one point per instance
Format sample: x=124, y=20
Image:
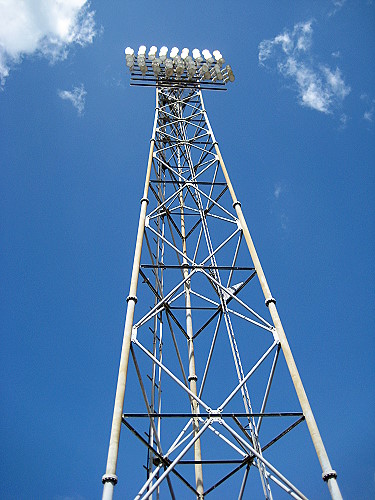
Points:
x=198, y=403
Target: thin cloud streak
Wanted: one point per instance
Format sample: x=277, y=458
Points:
x=368, y=115
x=318, y=86
x=77, y=97
x=337, y=5
x=46, y=29
x=277, y=191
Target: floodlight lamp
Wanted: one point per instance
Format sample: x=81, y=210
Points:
x=142, y=50
x=130, y=62
x=218, y=74
x=230, y=73
x=174, y=52
x=129, y=57
x=180, y=66
x=219, y=58
x=205, y=72
x=152, y=52
x=184, y=53
x=156, y=66
x=217, y=55
x=208, y=56
x=163, y=53
x=168, y=63
x=141, y=60
x=196, y=54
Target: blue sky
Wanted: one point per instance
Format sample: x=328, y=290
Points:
x=296, y=130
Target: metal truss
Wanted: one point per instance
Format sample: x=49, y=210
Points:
x=203, y=354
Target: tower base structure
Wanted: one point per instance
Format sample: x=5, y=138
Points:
x=203, y=355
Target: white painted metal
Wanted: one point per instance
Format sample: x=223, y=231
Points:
x=189, y=261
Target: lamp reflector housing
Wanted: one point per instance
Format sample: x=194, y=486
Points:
x=163, y=53
x=196, y=54
x=183, y=69
x=152, y=52
x=174, y=52
x=168, y=63
x=184, y=53
x=230, y=73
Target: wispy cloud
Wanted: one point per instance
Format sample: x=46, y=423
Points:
x=336, y=6
x=278, y=209
x=368, y=115
x=277, y=191
x=318, y=86
x=44, y=28
x=77, y=97
x=343, y=121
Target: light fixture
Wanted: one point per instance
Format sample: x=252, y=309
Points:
x=230, y=73
x=219, y=58
x=168, y=63
x=201, y=66
x=205, y=71
x=156, y=66
x=129, y=57
x=196, y=54
x=180, y=66
x=163, y=53
x=184, y=53
x=152, y=52
x=217, y=72
x=208, y=56
x=191, y=67
x=174, y=52
x=141, y=59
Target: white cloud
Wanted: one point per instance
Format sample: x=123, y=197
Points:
x=277, y=191
x=77, y=97
x=43, y=27
x=343, y=121
x=336, y=6
x=368, y=115
x=317, y=85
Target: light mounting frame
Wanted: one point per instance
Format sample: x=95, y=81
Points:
x=169, y=69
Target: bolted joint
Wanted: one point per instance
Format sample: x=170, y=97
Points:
x=269, y=301
x=236, y=203
x=192, y=377
x=132, y=297
x=109, y=478
x=329, y=474
x=146, y=200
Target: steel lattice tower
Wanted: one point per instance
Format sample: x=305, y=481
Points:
x=199, y=336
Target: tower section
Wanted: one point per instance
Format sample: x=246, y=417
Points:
x=202, y=337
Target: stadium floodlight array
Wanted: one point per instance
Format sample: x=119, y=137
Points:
x=166, y=67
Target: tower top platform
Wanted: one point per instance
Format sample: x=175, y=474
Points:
x=166, y=68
